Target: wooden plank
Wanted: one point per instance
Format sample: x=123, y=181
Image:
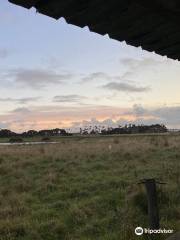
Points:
x=153, y=25
x=24, y=3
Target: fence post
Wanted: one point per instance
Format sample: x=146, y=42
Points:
x=153, y=211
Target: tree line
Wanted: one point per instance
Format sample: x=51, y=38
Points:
x=127, y=129
x=33, y=133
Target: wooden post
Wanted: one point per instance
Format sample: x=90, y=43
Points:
x=153, y=211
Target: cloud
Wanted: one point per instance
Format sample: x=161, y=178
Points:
x=100, y=76
x=149, y=67
x=125, y=87
x=139, y=64
x=21, y=110
x=132, y=68
x=4, y=53
x=111, y=122
x=168, y=115
x=20, y=100
x=69, y=98
x=52, y=116
x=121, y=83
x=36, y=78
x=94, y=122
x=4, y=125
x=96, y=76
x=139, y=110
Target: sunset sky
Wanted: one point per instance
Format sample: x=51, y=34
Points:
x=57, y=75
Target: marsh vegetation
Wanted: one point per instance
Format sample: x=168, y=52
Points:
x=87, y=188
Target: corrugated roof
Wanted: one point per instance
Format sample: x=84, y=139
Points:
x=153, y=25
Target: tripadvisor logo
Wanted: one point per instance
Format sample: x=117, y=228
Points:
x=140, y=231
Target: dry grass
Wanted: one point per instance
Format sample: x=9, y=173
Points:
x=86, y=188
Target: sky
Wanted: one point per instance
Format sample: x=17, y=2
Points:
x=53, y=74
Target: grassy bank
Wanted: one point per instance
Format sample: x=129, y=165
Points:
x=80, y=137
x=86, y=188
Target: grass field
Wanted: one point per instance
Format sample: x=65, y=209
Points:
x=87, y=188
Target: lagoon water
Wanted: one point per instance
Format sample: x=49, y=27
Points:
x=27, y=143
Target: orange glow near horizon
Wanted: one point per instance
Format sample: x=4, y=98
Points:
x=50, y=123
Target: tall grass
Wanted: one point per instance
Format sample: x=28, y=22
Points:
x=87, y=188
